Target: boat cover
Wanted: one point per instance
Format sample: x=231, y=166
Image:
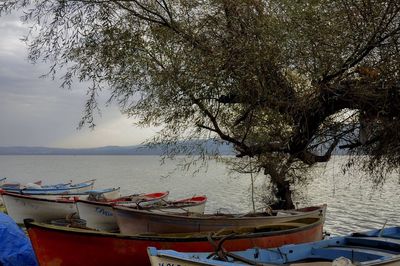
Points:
x=15, y=247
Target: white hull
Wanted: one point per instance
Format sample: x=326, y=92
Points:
x=20, y=208
x=100, y=216
x=97, y=216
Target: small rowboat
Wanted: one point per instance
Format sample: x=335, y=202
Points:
x=20, y=207
x=98, y=212
x=106, y=194
x=16, y=185
x=132, y=221
x=74, y=246
x=376, y=247
x=195, y=204
x=71, y=188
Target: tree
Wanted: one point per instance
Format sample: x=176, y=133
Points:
x=286, y=82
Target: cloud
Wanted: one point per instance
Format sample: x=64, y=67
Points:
x=37, y=112
x=114, y=130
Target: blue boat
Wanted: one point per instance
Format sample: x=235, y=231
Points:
x=59, y=188
x=375, y=247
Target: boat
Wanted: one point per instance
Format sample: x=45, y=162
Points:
x=132, y=221
x=375, y=247
x=62, y=188
x=195, y=204
x=64, y=245
x=106, y=194
x=2, y=180
x=17, y=185
x=98, y=213
x=20, y=207
x=54, y=206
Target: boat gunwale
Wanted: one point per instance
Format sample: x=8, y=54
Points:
x=29, y=223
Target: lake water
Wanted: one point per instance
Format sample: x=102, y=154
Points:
x=353, y=202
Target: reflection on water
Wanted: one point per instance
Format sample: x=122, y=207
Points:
x=353, y=203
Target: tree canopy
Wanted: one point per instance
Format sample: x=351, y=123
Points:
x=286, y=82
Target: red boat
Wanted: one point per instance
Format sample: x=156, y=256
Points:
x=58, y=245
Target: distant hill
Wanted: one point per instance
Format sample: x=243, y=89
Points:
x=208, y=145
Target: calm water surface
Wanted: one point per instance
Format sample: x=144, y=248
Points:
x=353, y=202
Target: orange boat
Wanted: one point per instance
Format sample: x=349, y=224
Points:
x=58, y=245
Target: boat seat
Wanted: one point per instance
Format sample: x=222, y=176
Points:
x=358, y=254
x=382, y=243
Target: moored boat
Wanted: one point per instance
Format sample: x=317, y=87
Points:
x=98, y=213
x=20, y=207
x=105, y=194
x=72, y=246
x=375, y=247
x=133, y=221
x=62, y=188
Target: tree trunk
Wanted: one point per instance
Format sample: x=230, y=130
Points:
x=283, y=195
x=281, y=188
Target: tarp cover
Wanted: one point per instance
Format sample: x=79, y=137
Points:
x=15, y=247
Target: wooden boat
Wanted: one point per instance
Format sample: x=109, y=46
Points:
x=61, y=188
x=20, y=207
x=98, y=212
x=376, y=247
x=132, y=221
x=60, y=245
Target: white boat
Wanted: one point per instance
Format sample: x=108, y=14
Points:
x=20, y=207
x=103, y=194
x=99, y=214
x=59, y=188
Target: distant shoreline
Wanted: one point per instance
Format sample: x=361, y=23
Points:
x=208, y=146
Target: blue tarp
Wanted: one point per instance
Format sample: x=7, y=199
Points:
x=15, y=247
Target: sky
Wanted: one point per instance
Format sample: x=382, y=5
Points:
x=35, y=111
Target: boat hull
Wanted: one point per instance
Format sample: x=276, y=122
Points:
x=132, y=221
x=99, y=215
x=55, y=245
x=20, y=207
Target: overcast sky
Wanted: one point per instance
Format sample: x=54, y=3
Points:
x=37, y=112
